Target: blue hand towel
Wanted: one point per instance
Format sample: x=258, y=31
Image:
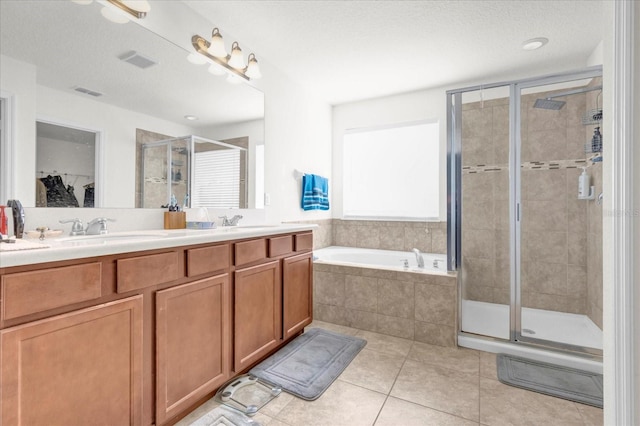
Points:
x=315, y=193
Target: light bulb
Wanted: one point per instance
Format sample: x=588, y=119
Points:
x=216, y=48
x=237, y=59
x=253, y=70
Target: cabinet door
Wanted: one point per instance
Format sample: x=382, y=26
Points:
x=193, y=337
x=83, y=367
x=297, y=293
x=257, y=313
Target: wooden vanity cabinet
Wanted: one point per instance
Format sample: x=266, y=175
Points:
x=82, y=367
x=257, y=313
x=272, y=300
x=193, y=343
x=297, y=294
x=141, y=338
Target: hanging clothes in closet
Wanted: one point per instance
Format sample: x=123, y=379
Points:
x=59, y=195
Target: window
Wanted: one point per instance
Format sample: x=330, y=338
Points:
x=392, y=172
x=217, y=179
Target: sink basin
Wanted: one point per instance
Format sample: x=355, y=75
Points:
x=82, y=240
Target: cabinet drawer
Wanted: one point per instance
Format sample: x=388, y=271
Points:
x=207, y=260
x=145, y=271
x=279, y=246
x=250, y=251
x=304, y=242
x=26, y=293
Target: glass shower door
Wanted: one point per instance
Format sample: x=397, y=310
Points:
x=484, y=263
x=558, y=302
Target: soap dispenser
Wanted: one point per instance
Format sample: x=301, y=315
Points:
x=585, y=190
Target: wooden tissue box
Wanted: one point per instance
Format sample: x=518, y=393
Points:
x=175, y=220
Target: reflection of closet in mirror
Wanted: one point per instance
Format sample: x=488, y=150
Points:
x=212, y=173
x=65, y=166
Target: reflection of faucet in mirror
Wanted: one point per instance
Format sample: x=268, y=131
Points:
x=230, y=222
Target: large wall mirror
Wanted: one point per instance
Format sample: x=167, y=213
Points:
x=72, y=73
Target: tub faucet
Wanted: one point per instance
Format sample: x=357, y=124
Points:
x=230, y=222
x=419, y=258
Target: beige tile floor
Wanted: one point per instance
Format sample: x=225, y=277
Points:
x=395, y=381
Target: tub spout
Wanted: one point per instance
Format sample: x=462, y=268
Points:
x=419, y=258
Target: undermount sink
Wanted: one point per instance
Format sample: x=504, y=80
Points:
x=114, y=237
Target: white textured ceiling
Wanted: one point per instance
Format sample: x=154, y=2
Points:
x=351, y=50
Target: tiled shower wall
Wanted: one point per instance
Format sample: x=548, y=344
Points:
x=556, y=254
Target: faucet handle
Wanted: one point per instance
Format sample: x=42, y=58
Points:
x=101, y=220
x=77, y=228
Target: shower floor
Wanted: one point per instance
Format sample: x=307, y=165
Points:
x=491, y=319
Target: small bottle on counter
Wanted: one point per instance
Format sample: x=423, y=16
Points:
x=4, y=221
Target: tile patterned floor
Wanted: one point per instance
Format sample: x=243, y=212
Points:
x=395, y=381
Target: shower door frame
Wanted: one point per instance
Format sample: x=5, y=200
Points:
x=454, y=203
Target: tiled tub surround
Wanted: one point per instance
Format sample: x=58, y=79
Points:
x=416, y=306
x=554, y=227
x=428, y=237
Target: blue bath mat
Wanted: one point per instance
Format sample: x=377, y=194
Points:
x=310, y=362
x=555, y=380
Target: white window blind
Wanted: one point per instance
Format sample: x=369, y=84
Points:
x=217, y=179
x=392, y=172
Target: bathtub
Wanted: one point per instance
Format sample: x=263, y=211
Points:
x=380, y=259
x=373, y=290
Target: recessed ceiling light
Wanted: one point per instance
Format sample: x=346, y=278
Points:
x=191, y=117
x=535, y=43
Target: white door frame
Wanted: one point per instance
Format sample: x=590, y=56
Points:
x=618, y=217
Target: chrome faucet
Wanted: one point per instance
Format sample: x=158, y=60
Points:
x=77, y=228
x=98, y=226
x=419, y=258
x=230, y=222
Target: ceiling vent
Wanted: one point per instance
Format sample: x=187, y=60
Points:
x=87, y=91
x=135, y=58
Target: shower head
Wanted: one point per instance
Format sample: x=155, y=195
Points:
x=549, y=103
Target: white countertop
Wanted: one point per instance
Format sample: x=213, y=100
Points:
x=66, y=248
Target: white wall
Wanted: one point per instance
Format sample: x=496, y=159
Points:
x=18, y=79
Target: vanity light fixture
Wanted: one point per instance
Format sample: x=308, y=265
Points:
x=124, y=10
x=221, y=62
x=136, y=8
x=216, y=47
x=535, y=43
